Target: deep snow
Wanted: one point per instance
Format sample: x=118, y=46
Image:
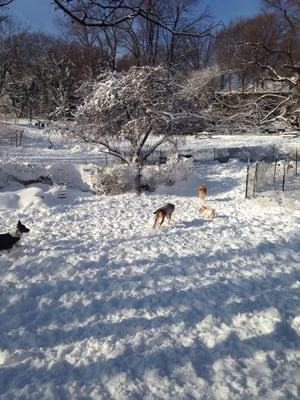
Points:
x=96, y=304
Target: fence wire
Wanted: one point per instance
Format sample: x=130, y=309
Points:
x=277, y=181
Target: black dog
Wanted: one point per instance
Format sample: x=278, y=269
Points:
x=7, y=240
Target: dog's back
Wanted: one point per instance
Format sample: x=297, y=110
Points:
x=163, y=212
x=7, y=241
x=208, y=212
x=166, y=210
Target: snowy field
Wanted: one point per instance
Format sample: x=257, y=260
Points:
x=35, y=148
x=96, y=304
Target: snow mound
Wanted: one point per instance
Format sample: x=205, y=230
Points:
x=21, y=199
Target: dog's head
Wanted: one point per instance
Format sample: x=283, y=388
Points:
x=22, y=228
x=202, y=208
x=171, y=206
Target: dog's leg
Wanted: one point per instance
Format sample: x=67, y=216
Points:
x=162, y=220
x=155, y=221
x=202, y=200
x=169, y=218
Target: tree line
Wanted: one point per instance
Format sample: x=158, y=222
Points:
x=41, y=74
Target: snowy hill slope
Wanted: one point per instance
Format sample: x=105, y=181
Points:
x=96, y=304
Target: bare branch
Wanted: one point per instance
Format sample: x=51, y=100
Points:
x=116, y=13
x=276, y=108
x=276, y=77
x=4, y=3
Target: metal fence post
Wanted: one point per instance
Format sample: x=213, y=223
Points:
x=247, y=180
x=255, y=178
x=275, y=168
x=283, y=178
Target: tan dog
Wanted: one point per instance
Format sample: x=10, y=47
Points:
x=208, y=212
x=162, y=213
x=202, y=194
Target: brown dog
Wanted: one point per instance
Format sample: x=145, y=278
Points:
x=202, y=194
x=208, y=212
x=162, y=213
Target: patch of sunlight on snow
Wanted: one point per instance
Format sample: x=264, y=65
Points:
x=248, y=325
x=296, y=324
x=212, y=330
x=3, y=356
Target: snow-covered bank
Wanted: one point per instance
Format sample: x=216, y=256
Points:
x=98, y=305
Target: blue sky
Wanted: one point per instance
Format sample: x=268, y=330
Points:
x=40, y=14
x=226, y=10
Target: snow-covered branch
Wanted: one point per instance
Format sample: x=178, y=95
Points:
x=139, y=110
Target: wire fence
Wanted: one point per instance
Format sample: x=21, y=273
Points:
x=10, y=136
x=277, y=180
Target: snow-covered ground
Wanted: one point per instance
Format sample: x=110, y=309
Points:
x=36, y=147
x=96, y=304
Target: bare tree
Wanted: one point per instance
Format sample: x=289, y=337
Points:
x=285, y=71
x=232, y=50
x=3, y=4
x=108, y=13
x=182, y=51
x=7, y=32
x=263, y=53
x=105, y=42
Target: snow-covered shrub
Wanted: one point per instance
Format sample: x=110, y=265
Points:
x=120, y=179
x=111, y=180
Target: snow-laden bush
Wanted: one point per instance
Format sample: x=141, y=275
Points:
x=110, y=180
x=122, y=178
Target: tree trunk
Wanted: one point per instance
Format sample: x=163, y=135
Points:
x=297, y=94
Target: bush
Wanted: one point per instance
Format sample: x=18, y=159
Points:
x=120, y=179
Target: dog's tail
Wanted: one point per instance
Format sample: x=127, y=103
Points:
x=157, y=211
